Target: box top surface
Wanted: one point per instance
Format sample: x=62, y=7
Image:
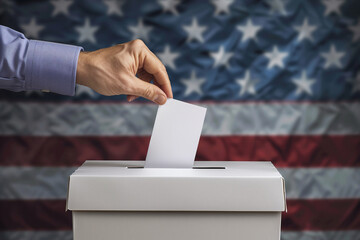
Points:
x=202, y=169
x=212, y=186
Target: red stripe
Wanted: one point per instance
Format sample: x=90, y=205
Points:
x=302, y=215
x=283, y=151
x=34, y=215
x=334, y=214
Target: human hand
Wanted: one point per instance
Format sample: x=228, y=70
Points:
x=126, y=68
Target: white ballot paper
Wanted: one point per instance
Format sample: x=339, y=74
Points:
x=175, y=135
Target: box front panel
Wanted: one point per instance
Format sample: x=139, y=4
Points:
x=176, y=225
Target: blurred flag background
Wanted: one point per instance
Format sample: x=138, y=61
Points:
x=280, y=79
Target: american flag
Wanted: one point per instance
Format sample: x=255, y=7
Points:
x=280, y=80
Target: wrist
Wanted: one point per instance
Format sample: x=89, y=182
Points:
x=81, y=69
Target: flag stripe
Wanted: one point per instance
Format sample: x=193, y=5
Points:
x=301, y=183
x=283, y=151
x=302, y=215
x=61, y=119
x=285, y=235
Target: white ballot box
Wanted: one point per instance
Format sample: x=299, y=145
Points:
x=212, y=201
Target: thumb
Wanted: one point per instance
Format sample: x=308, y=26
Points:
x=149, y=91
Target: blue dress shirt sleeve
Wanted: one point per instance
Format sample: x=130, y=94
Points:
x=36, y=65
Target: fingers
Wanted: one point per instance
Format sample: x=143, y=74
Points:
x=155, y=67
x=148, y=91
x=143, y=75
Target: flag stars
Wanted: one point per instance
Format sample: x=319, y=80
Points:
x=356, y=31
x=303, y=84
x=114, y=7
x=195, y=31
x=305, y=31
x=222, y=6
x=277, y=6
x=247, y=84
x=356, y=84
x=87, y=32
x=169, y=6
x=32, y=29
x=332, y=6
x=276, y=58
x=193, y=84
x=61, y=6
x=332, y=58
x=249, y=30
x=221, y=58
x=168, y=57
x=140, y=31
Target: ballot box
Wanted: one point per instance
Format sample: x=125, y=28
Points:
x=212, y=201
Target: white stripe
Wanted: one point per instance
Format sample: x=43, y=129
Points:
x=301, y=183
x=285, y=235
x=34, y=182
x=321, y=235
x=45, y=119
x=313, y=183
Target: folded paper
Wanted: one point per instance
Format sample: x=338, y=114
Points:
x=175, y=135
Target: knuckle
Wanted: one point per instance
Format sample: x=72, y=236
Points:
x=137, y=43
x=148, y=92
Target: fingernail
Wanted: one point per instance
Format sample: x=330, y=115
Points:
x=160, y=99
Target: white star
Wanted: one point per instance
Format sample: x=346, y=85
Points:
x=193, y=84
x=303, y=84
x=168, y=57
x=356, y=84
x=87, y=32
x=114, y=7
x=332, y=57
x=332, y=6
x=61, y=6
x=32, y=29
x=169, y=6
x=80, y=90
x=247, y=85
x=356, y=31
x=140, y=31
x=222, y=6
x=221, y=57
x=305, y=30
x=195, y=31
x=276, y=58
x=277, y=6
x=249, y=30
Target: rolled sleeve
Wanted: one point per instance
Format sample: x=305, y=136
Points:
x=51, y=67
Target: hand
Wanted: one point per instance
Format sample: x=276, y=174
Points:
x=125, y=69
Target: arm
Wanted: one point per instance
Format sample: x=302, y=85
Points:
x=36, y=65
x=123, y=69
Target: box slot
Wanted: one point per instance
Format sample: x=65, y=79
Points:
x=192, y=167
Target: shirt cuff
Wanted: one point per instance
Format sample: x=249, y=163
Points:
x=51, y=67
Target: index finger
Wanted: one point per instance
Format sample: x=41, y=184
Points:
x=154, y=66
